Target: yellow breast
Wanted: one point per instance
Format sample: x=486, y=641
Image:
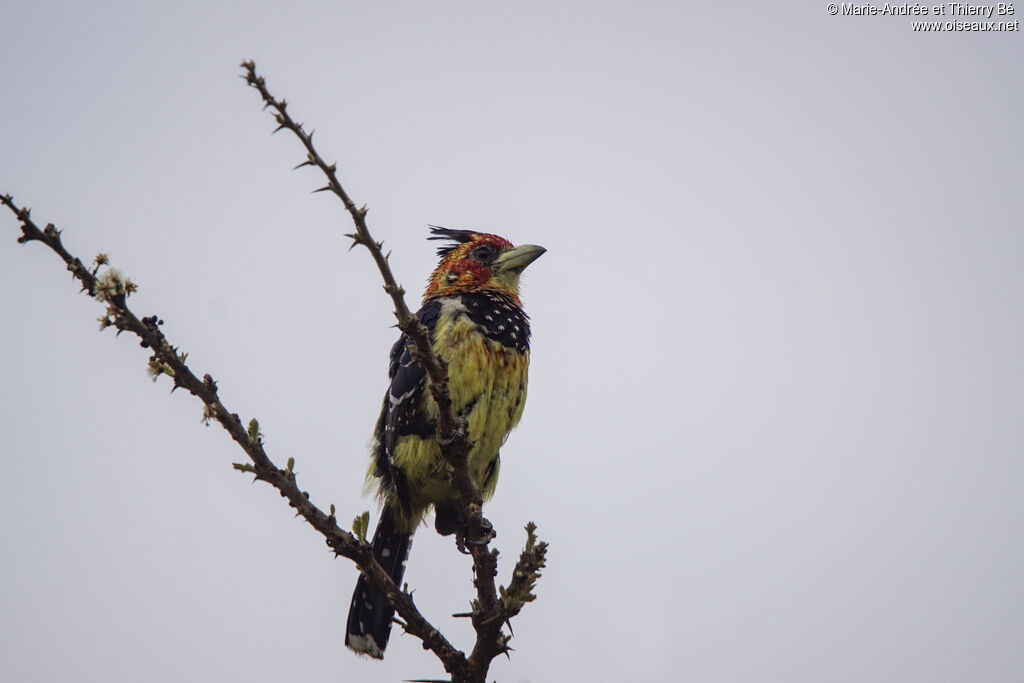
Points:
x=487, y=382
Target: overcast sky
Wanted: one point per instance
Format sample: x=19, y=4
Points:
x=776, y=422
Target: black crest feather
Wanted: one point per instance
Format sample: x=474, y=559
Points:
x=456, y=236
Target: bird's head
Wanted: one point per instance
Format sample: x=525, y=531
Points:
x=478, y=262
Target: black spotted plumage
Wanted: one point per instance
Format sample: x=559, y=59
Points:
x=500, y=318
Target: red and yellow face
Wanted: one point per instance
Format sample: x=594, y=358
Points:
x=478, y=262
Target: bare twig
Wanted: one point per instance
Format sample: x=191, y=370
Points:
x=451, y=430
x=490, y=611
x=113, y=290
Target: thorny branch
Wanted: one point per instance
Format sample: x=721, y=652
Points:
x=488, y=614
x=113, y=290
x=490, y=610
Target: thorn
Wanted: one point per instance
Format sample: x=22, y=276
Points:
x=307, y=162
x=322, y=189
x=278, y=128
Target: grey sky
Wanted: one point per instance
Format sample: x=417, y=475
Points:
x=774, y=430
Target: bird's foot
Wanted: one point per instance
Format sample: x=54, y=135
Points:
x=487, y=534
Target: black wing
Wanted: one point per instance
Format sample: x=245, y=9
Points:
x=401, y=413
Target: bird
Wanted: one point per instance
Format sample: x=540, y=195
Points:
x=476, y=321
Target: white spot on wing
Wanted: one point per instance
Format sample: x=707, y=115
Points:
x=395, y=400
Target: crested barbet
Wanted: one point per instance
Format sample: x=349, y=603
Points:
x=477, y=325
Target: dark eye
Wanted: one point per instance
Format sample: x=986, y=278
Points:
x=484, y=254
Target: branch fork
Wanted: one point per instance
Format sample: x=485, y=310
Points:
x=492, y=607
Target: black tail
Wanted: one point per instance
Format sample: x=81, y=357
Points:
x=369, y=617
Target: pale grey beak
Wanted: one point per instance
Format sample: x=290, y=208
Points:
x=519, y=257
